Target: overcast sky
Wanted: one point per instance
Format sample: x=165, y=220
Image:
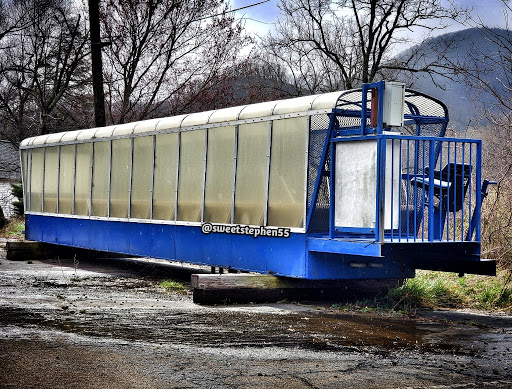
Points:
x=261, y=17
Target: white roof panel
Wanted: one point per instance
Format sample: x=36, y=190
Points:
x=40, y=140
x=325, y=101
x=170, y=123
x=55, y=138
x=124, y=129
x=86, y=134
x=299, y=104
x=197, y=119
x=254, y=111
x=226, y=114
x=104, y=132
x=70, y=136
x=146, y=126
x=26, y=142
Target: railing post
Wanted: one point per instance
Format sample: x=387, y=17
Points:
x=478, y=205
x=381, y=189
x=432, y=163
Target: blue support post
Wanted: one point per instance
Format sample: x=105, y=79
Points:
x=332, y=191
x=380, y=191
x=432, y=164
x=478, y=203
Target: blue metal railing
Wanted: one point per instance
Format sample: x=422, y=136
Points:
x=437, y=194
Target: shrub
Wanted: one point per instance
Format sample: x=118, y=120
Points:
x=17, y=191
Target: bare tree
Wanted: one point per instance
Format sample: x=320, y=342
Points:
x=247, y=81
x=489, y=78
x=339, y=44
x=163, y=52
x=44, y=71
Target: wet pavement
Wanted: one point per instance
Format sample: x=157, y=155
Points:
x=107, y=324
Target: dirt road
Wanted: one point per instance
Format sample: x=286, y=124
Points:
x=107, y=324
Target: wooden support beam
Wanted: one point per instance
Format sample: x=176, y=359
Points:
x=243, y=288
x=23, y=251
x=28, y=250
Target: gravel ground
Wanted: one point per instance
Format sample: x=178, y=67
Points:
x=107, y=324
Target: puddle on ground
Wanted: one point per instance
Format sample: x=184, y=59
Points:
x=220, y=328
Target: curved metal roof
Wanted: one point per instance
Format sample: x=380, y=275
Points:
x=416, y=103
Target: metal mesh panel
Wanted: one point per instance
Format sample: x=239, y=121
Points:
x=415, y=103
x=318, y=132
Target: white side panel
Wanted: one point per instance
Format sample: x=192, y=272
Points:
x=393, y=111
x=356, y=184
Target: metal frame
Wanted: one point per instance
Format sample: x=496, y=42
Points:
x=109, y=182
x=267, y=178
x=130, y=179
x=178, y=155
x=43, y=180
x=235, y=162
x=203, y=187
x=152, y=199
x=91, y=178
x=58, y=178
x=74, y=181
x=306, y=173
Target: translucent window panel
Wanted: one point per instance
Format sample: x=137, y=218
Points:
x=190, y=181
x=100, y=174
x=219, y=175
x=36, y=179
x=287, y=173
x=164, y=191
x=251, y=173
x=120, y=177
x=51, y=174
x=66, y=175
x=141, y=182
x=83, y=178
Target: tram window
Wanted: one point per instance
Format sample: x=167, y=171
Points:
x=66, y=173
x=219, y=175
x=190, y=181
x=251, y=173
x=120, y=177
x=51, y=171
x=141, y=181
x=287, y=173
x=36, y=176
x=83, y=178
x=100, y=178
x=164, y=192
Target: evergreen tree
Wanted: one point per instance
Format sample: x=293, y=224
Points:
x=17, y=191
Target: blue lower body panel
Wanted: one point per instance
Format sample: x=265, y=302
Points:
x=282, y=256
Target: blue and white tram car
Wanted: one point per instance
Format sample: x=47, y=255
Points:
x=358, y=184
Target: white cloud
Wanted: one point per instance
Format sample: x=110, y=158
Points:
x=260, y=18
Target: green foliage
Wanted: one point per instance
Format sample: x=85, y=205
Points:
x=427, y=290
x=13, y=229
x=173, y=286
x=17, y=191
x=435, y=290
x=430, y=290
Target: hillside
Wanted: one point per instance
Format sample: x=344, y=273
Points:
x=470, y=47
